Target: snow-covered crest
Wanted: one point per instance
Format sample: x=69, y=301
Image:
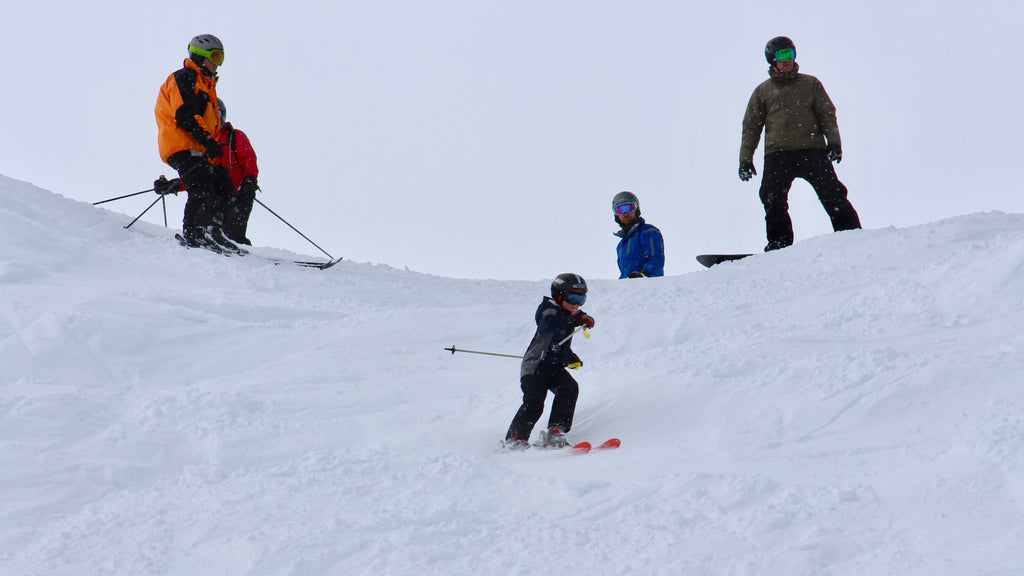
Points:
x=850, y=405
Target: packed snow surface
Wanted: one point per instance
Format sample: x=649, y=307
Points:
x=851, y=405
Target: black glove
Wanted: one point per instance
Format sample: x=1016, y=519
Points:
x=213, y=148
x=248, y=187
x=574, y=362
x=222, y=181
x=164, y=186
x=747, y=170
x=582, y=319
x=835, y=153
x=640, y=274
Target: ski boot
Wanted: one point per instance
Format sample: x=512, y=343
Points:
x=195, y=237
x=216, y=235
x=552, y=439
x=517, y=444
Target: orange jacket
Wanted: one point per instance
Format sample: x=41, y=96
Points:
x=186, y=109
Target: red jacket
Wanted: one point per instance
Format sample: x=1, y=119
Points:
x=238, y=157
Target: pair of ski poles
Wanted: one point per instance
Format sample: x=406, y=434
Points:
x=158, y=199
x=161, y=197
x=453, y=349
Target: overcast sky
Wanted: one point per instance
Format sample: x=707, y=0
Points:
x=485, y=139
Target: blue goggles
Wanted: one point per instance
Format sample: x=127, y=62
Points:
x=575, y=298
x=626, y=208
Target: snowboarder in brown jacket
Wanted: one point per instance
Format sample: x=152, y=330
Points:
x=801, y=141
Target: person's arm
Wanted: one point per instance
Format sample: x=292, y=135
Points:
x=189, y=114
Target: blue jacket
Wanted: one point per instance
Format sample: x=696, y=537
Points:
x=641, y=249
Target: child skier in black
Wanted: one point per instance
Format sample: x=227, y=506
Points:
x=544, y=365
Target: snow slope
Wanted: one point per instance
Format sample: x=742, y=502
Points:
x=850, y=405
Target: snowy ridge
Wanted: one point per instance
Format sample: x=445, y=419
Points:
x=850, y=405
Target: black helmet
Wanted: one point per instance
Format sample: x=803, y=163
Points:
x=776, y=44
x=568, y=283
x=223, y=110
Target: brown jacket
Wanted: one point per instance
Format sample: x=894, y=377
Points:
x=185, y=109
x=794, y=111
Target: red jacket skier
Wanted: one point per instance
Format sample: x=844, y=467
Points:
x=240, y=160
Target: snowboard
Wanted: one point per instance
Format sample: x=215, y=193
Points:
x=709, y=260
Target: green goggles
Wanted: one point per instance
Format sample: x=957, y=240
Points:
x=215, y=56
x=785, y=54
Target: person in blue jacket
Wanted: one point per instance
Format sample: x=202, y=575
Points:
x=641, y=250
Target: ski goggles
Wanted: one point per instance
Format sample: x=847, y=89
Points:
x=215, y=56
x=785, y=54
x=625, y=208
x=575, y=298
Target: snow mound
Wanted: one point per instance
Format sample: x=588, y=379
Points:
x=850, y=405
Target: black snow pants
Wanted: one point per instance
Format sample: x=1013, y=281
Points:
x=535, y=389
x=780, y=169
x=236, y=217
x=209, y=188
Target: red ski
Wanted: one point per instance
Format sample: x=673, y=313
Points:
x=580, y=448
x=585, y=447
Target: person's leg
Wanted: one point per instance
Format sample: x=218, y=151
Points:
x=236, y=218
x=832, y=194
x=535, y=390
x=563, y=407
x=195, y=173
x=777, y=177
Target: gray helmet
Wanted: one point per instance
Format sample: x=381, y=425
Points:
x=776, y=44
x=623, y=198
x=206, y=42
x=223, y=109
x=568, y=283
x=206, y=46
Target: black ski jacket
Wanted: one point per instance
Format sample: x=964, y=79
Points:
x=545, y=355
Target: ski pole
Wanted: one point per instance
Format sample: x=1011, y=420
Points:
x=162, y=179
x=453, y=349
x=121, y=197
x=293, y=227
x=158, y=198
x=574, y=332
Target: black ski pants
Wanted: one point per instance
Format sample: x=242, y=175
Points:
x=209, y=187
x=535, y=390
x=780, y=169
x=236, y=216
